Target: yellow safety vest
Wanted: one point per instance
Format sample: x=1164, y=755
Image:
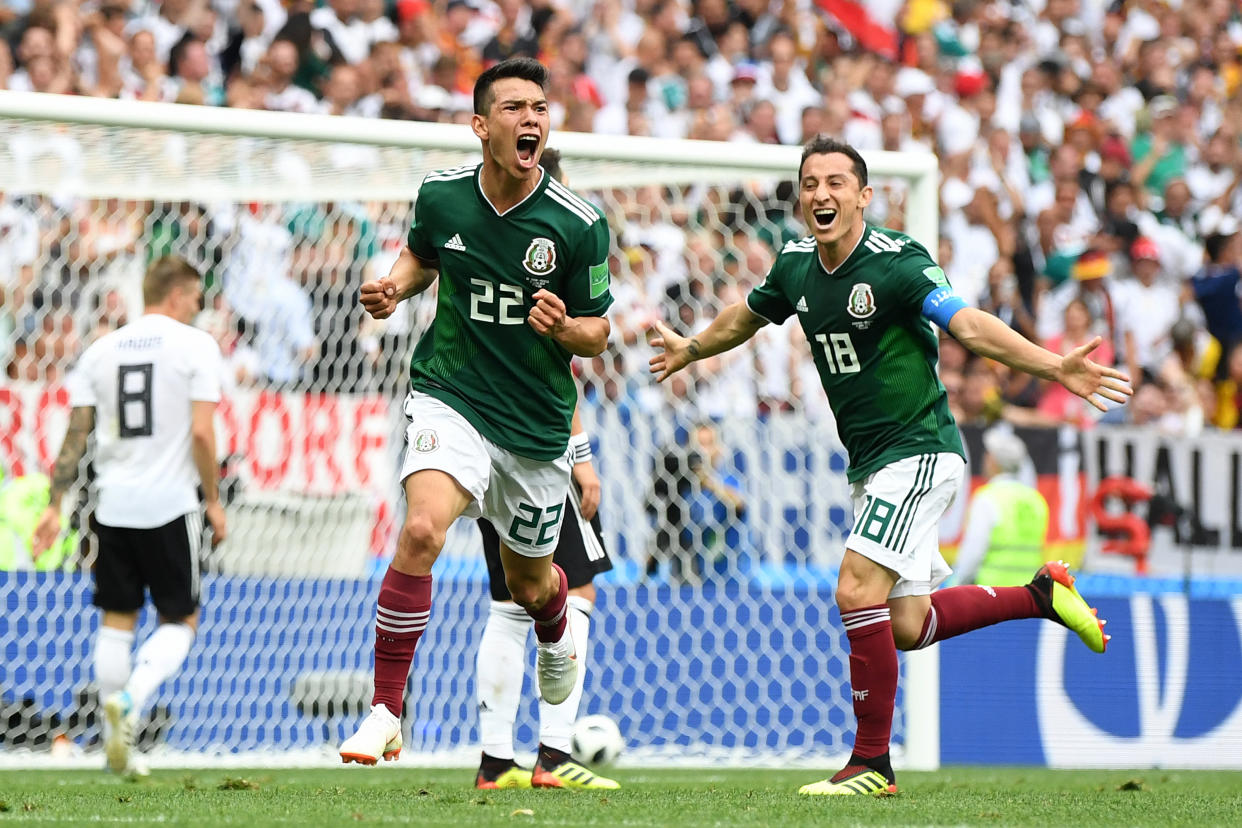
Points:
x=22, y=501
x=1016, y=544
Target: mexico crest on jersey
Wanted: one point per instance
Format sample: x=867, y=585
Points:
x=861, y=303
x=426, y=440
x=540, y=257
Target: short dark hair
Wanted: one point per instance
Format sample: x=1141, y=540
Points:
x=176, y=55
x=823, y=144
x=525, y=68
x=550, y=160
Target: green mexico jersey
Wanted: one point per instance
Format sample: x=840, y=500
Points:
x=480, y=356
x=875, y=353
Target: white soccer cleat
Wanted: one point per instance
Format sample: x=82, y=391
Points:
x=557, y=668
x=378, y=735
x=122, y=722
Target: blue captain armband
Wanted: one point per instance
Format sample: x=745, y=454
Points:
x=940, y=305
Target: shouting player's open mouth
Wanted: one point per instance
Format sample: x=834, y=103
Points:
x=824, y=217
x=527, y=149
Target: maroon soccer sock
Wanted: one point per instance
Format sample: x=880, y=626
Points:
x=873, y=677
x=960, y=609
x=400, y=616
x=550, y=619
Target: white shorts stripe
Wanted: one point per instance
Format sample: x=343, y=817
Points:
x=590, y=541
x=194, y=535
x=897, y=513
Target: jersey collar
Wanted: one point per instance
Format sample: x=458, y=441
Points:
x=846, y=260
x=530, y=197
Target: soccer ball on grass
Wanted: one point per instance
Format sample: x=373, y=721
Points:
x=597, y=740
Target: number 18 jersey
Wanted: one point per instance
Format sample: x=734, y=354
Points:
x=875, y=352
x=141, y=380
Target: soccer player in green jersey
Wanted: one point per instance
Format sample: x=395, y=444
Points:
x=523, y=287
x=866, y=298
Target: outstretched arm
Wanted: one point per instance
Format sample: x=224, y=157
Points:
x=987, y=336
x=733, y=326
x=64, y=474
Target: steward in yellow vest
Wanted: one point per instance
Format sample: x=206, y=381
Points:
x=1007, y=523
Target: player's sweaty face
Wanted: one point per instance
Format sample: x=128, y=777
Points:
x=517, y=125
x=832, y=200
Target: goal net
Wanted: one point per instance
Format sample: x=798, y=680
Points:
x=724, y=506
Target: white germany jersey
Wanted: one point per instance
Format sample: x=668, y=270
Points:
x=141, y=381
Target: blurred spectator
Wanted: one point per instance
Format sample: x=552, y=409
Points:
x=1159, y=154
x=783, y=81
x=1092, y=283
x=1147, y=308
x=1216, y=285
x=277, y=71
x=1056, y=403
x=189, y=69
x=515, y=37
x=19, y=248
x=1148, y=407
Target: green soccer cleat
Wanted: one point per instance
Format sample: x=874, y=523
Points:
x=1053, y=587
x=852, y=780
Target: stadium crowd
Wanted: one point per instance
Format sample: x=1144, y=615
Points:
x=1090, y=154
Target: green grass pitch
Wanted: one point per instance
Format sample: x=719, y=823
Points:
x=422, y=796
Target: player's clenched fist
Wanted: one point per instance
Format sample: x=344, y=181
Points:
x=547, y=317
x=379, y=297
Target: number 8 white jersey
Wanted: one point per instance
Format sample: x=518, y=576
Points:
x=141, y=381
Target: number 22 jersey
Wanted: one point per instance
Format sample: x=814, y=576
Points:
x=875, y=352
x=480, y=356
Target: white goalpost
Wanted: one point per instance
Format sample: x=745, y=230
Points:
x=715, y=638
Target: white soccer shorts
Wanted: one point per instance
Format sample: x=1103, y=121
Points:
x=523, y=498
x=897, y=513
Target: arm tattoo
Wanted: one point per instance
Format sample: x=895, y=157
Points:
x=65, y=472
x=694, y=348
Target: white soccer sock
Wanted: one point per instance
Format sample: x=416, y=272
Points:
x=556, y=721
x=159, y=657
x=113, y=661
x=500, y=669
